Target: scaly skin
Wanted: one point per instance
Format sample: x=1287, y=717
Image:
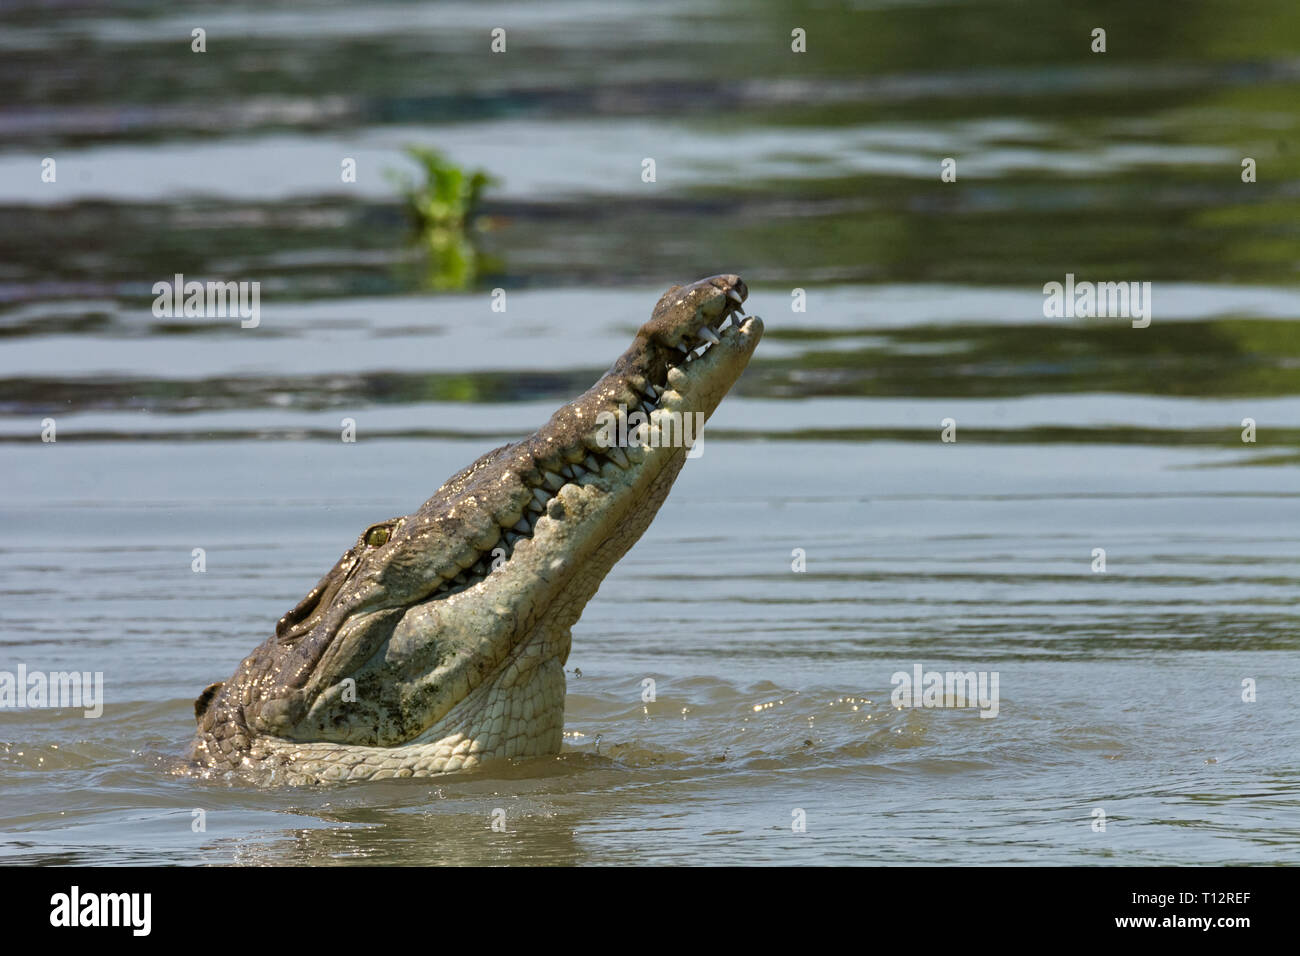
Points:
x=438, y=641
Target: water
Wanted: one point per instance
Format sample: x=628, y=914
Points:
x=1119, y=691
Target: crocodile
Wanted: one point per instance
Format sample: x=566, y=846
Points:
x=437, y=642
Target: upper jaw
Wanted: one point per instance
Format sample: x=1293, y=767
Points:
x=684, y=360
x=571, y=455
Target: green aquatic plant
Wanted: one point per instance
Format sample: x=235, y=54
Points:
x=443, y=210
x=449, y=196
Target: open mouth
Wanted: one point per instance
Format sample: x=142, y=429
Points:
x=662, y=387
x=589, y=462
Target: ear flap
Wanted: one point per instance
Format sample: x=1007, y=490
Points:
x=204, y=700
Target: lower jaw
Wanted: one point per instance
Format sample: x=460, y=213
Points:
x=537, y=735
x=519, y=712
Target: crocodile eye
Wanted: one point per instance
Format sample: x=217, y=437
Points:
x=377, y=536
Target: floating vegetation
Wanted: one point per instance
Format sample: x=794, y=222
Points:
x=443, y=210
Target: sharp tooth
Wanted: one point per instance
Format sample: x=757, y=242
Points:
x=553, y=481
x=659, y=390
x=634, y=448
x=511, y=538
x=568, y=472
x=522, y=526
x=709, y=336
x=540, y=498
x=735, y=296
x=591, y=463
x=648, y=391
x=682, y=347
x=617, y=456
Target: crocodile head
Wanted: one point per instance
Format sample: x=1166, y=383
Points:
x=439, y=639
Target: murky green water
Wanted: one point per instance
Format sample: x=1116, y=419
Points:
x=1119, y=691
